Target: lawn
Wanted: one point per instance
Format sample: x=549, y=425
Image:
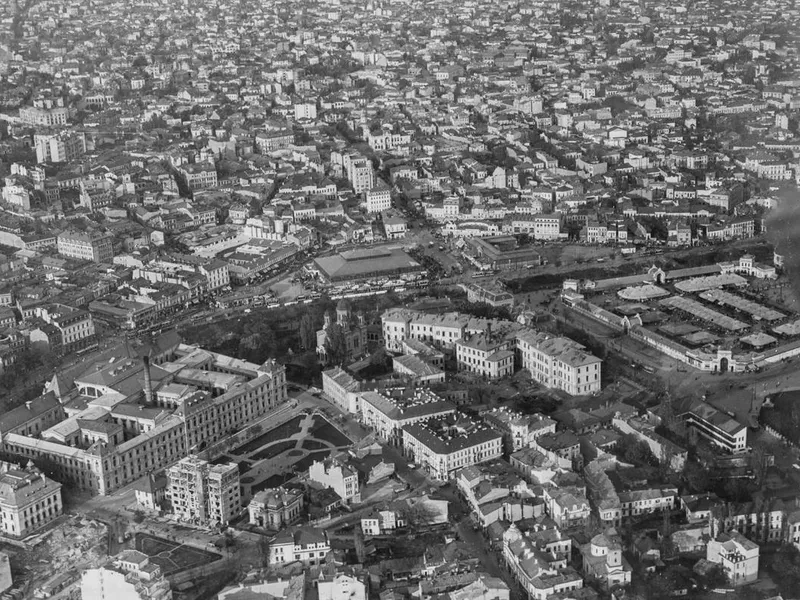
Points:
x=313, y=445
x=323, y=430
x=275, y=449
x=172, y=556
x=280, y=432
x=304, y=463
x=272, y=482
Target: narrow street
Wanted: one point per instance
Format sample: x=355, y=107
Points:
x=489, y=559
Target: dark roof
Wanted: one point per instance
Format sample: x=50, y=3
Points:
x=27, y=412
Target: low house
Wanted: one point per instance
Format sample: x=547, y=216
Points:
x=307, y=545
x=150, y=491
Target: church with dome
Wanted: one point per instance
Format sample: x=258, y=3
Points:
x=354, y=331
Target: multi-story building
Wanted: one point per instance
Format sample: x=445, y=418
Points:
x=202, y=493
x=563, y=448
x=442, y=330
x=634, y=503
x=28, y=501
x=443, y=445
x=567, y=507
x=199, y=176
x=737, y=555
x=76, y=325
x=603, y=495
x=359, y=171
x=215, y=396
x=388, y=416
x=86, y=245
x=541, y=574
x=559, y=362
x=335, y=475
x=487, y=355
x=43, y=117
x=270, y=141
x=518, y=430
x=299, y=544
x=275, y=508
x=717, y=428
x=129, y=576
x=487, y=295
x=379, y=198
x=61, y=147
x=342, y=389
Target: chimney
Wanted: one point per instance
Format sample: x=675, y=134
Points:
x=28, y=404
x=148, y=382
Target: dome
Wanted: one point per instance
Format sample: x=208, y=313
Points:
x=344, y=305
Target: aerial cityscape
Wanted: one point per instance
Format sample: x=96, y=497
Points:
x=399, y=300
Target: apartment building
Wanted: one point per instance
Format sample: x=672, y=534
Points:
x=94, y=246
x=43, y=117
x=443, y=445
x=559, y=363
x=335, y=475
x=379, y=199
x=541, y=575
x=387, y=416
x=359, y=172
x=202, y=493
x=717, y=428
x=75, y=325
x=518, y=430
x=28, y=501
x=61, y=147
x=737, y=555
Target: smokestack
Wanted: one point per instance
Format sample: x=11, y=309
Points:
x=148, y=382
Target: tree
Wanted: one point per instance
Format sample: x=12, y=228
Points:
x=308, y=332
x=263, y=550
x=336, y=344
x=418, y=513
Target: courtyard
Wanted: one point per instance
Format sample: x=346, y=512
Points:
x=275, y=456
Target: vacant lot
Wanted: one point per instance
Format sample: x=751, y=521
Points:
x=172, y=556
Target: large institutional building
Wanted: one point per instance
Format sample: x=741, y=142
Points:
x=121, y=418
x=492, y=348
x=28, y=501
